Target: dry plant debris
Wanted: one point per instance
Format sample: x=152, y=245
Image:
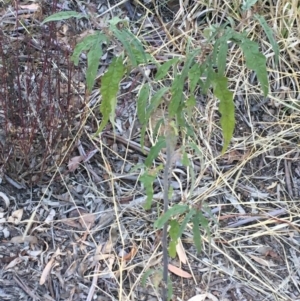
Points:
x=80, y=232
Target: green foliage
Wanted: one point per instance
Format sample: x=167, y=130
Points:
x=147, y=178
x=63, y=16
x=209, y=73
x=109, y=89
x=93, y=45
x=270, y=36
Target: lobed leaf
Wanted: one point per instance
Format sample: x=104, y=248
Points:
x=174, y=210
x=93, y=58
x=64, y=15
x=256, y=61
x=154, y=151
x=147, y=179
x=196, y=234
x=177, y=96
x=109, y=89
x=87, y=43
x=226, y=108
x=164, y=68
x=270, y=36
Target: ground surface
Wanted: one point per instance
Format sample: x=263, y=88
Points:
x=89, y=237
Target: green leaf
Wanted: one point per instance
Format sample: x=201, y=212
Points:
x=177, y=96
x=190, y=106
x=164, y=68
x=147, y=179
x=185, y=160
x=247, y=4
x=93, y=58
x=172, y=248
x=174, y=229
x=226, y=108
x=186, y=220
x=222, y=55
x=196, y=234
x=174, y=234
x=170, y=289
x=155, y=101
x=270, y=36
x=87, y=43
x=174, y=210
x=145, y=276
x=194, y=76
x=64, y=16
x=154, y=151
x=142, y=103
x=109, y=88
x=256, y=61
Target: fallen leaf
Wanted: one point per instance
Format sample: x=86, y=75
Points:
x=46, y=271
x=181, y=252
x=21, y=239
x=50, y=216
x=179, y=272
x=74, y=163
x=48, y=267
x=30, y=6
x=131, y=254
x=108, y=273
x=16, y=217
x=13, y=263
x=87, y=220
x=5, y=199
x=263, y=261
x=202, y=297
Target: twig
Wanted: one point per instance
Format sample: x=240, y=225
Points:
x=255, y=218
x=167, y=170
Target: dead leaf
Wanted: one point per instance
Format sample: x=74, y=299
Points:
x=74, y=163
x=50, y=216
x=5, y=198
x=87, y=220
x=179, y=272
x=16, y=217
x=13, y=263
x=108, y=273
x=46, y=271
x=202, y=297
x=30, y=6
x=48, y=267
x=263, y=261
x=181, y=252
x=235, y=155
x=131, y=254
x=22, y=239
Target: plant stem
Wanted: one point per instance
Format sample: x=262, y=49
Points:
x=167, y=169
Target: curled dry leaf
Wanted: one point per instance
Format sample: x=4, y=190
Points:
x=87, y=220
x=48, y=267
x=50, y=216
x=181, y=252
x=179, y=272
x=5, y=198
x=13, y=263
x=74, y=163
x=130, y=255
x=46, y=271
x=262, y=261
x=21, y=239
x=203, y=297
x=16, y=217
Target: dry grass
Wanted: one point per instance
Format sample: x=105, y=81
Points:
x=88, y=226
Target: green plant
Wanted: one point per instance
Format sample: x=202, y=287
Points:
x=192, y=70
